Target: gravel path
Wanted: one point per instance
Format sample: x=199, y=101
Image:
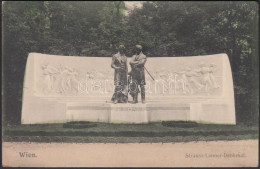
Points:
x=243, y=153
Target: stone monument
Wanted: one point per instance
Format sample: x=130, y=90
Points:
x=68, y=88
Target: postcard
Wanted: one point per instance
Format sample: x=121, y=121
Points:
x=130, y=84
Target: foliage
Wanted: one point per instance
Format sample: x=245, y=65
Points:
x=164, y=28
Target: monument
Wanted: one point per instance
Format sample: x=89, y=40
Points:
x=69, y=88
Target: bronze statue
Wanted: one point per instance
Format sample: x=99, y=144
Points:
x=138, y=75
x=119, y=63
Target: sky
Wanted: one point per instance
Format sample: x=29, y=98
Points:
x=130, y=5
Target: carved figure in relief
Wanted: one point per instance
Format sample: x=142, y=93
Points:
x=161, y=85
x=47, y=79
x=49, y=74
x=72, y=80
x=205, y=81
x=61, y=79
x=191, y=84
x=212, y=77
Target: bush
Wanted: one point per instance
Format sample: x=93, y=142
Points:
x=79, y=124
x=182, y=124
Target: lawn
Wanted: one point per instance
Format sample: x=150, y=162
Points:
x=128, y=133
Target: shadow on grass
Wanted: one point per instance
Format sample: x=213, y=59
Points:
x=156, y=129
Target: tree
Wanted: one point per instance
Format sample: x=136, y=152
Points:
x=163, y=28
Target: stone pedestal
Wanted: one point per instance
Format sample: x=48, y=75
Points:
x=128, y=113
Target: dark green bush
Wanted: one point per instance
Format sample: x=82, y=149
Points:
x=79, y=124
x=182, y=124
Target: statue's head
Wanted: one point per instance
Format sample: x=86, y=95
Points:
x=138, y=49
x=121, y=48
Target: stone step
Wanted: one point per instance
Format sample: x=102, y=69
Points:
x=90, y=99
x=109, y=96
x=127, y=106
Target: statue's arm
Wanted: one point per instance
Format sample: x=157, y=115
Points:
x=133, y=62
x=113, y=63
x=126, y=67
x=142, y=61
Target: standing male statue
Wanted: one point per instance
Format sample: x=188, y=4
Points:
x=119, y=63
x=138, y=77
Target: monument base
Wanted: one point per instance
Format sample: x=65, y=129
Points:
x=153, y=111
x=157, y=109
x=128, y=113
x=59, y=89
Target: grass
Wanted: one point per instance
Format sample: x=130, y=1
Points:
x=128, y=133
